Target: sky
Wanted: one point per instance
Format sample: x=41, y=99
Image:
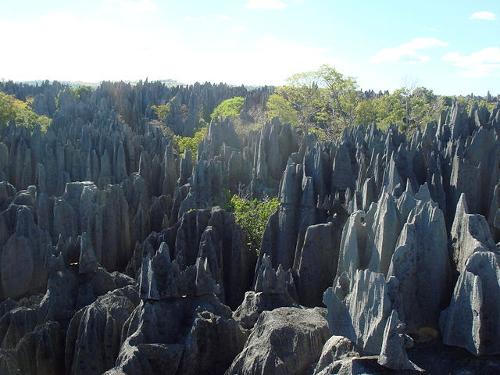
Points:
x=449, y=46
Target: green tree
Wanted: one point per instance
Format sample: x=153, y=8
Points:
x=304, y=97
x=407, y=108
x=366, y=112
x=161, y=110
x=324, y=99
x=191, y=143
x=342, y=93
x=278, y=106
x=20, y=113
x=229, y=108
x=252, y=215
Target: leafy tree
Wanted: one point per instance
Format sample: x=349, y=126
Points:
x=20, y=113
x=304, y=97
x=191, y=143
x=278, y=106
x=252, y=215
x=322, y=99
x=161, y=111
x=80, y=91
x=407, y=108
x=342, y=95
x=366, y=112
x=229, y=108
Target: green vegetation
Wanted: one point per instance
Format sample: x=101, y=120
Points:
x=252, y=215
x=243, y=130
x=191, y=142
x=229, y=108
x=278, y=106
x=161, y=111
x=81, y=91
x=20, y=113
x=405, y=108
x=325, y=101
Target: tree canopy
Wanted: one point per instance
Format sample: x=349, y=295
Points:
x=20, y=113
x=229, y=108
x=325, y=101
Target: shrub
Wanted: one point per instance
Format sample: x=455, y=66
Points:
x=161, y=111
x=192, y=143
x=252, y=215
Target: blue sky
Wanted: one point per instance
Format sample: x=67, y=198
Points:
x=450, y=46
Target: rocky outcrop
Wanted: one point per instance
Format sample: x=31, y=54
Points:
x=335, y=351
x=24, y=252
x=469, y=233
x=421, y=265
x=180, y=324
x=393, y=353
x=316, y=263
x=284, y=341
x=272, y=289
x=359, y=311
x=94, y=334
x=471, y=319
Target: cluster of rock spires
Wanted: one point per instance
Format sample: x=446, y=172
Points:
x=115, y=257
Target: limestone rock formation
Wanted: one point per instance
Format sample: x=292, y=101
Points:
x=284, y=341
x=179, y=336
x=272, y=289
x=115, y=257
x=94, y=333
x=393, y=353
x=316, y=263
x=360, y=311
x=421, y=265
x=334, y=353
x=471, y=320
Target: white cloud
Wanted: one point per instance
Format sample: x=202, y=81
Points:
x=92, y=47
x=266, y=60
x=196, y=18
x=483, y=15
x=211, y=17
x=266, y=4
x=97, y=47
x=481, y=63
x=132, y=6
x=410, y=52
x=239, y=28
x=222, y=17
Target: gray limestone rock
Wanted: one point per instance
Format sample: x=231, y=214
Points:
x=272, y=289
x=94, y=333
x=421, y=265
x=469, y=233
x=88, y=261
x=393, y=352
x=334, y=353
x=385, y=228
x=471, y=320
x=355, y=244
x=284, y=341
x=342, y=175
x=316, y=263
x=179, y=336
x=360, y=311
